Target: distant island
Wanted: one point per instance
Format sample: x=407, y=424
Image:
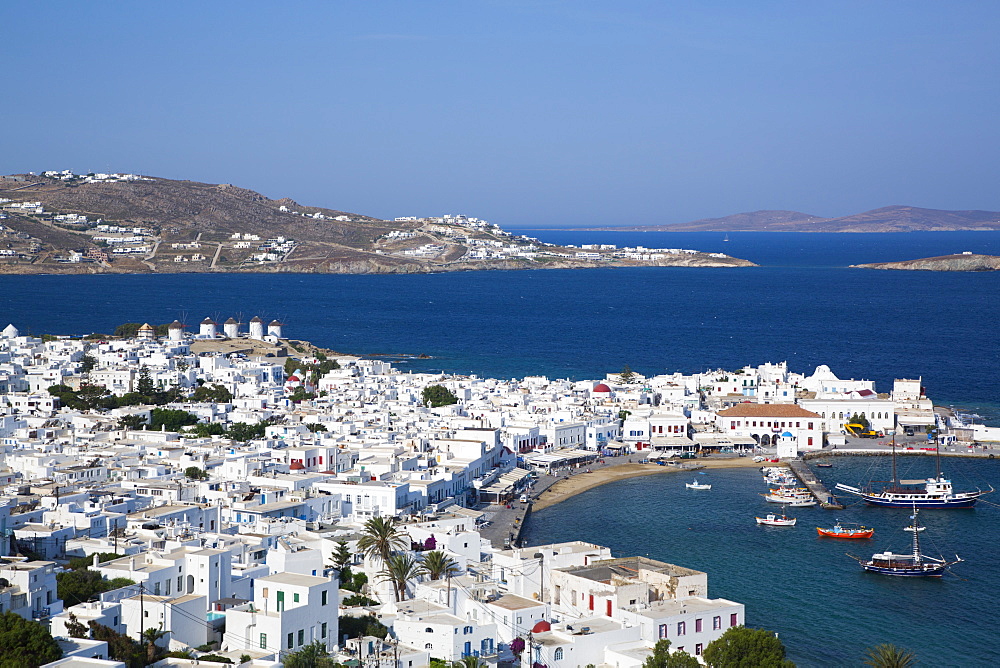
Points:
x=960, y=262
x=886, y=219
x=59, y=222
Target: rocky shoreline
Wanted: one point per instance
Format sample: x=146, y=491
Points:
x=960, y=262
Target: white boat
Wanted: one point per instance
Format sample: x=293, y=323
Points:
x=794, y=501
x=773, y=520
x=696, y=485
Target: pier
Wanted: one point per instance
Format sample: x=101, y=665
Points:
x=806, y=476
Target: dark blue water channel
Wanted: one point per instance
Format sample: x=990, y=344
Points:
x=819, y=601
x=803, y=305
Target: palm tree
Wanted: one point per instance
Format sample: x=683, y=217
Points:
x=888, y=655
x=437, y=565
x=399, y=570
x=381, y=538
x=468, y=662
x=150, y=636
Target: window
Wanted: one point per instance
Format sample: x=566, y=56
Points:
x=681, y=628
x=263, y=641
x=810, y=425
x=291, y=640
x=697, y=625
x=265, y=592
x=322, y=598
x=663, y=630
x=428, y=630
x=295, y=598
x=558, y=655
x=302, y=636
x=697, y=649
x=732, y=619
x=810, y=440
x=467, y=630
x=322, y=630
x=716, y=623
x=429, y=646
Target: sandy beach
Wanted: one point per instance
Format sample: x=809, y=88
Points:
x=580, y=482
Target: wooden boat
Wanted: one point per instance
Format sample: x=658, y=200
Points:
x=773, y=520
x=851, y=531
x=697, y=485
x=794, y=501
x=824, y=466
x=915, y=564
x=936, y=492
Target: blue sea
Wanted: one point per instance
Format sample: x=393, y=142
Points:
x=824, y=608
x=802, y=305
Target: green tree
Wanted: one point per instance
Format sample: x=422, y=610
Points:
x=468, y=662
x=26, y=644
x=380, y=538
x=300, y=394
x=85, y=562
x=627, y=376
x=399, y=569
x=438, y=395
x=131, y=422
x=357, y=599
x=195, y=473
x=150, y=637
x=171, y=419
x=354, y=627
x=437, y=564
x=663, y=658
x=861, y=420
x=342, y=556
x=144, y=385
x=81, y=585
x=315, y=427
x=241, y=431
x=888, y=655
x=216, y=394
x=74, y=628
x=88, y=363
x=743, y=647
x=245, y=658
x=313, y=655
x=120, y=647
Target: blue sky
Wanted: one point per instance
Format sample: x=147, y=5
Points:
x=525, y=113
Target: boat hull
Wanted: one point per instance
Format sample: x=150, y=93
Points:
x=933, y=572
x=951, y=503
x=849, y=535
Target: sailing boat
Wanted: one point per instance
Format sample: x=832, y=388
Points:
x=915, y=564
x=727, y=237
x=937, y=492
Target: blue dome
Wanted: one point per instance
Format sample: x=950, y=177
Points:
x=787, y=434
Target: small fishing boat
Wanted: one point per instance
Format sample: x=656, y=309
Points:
x=697, y=485
x=824, y=465
x=773, y=520
x=915, y=564
x=842, y=530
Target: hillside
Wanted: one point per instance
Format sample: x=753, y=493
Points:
x=65, y=223
x=960, y=262
x=886, y=219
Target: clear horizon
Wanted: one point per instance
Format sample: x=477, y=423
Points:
x=528, y=114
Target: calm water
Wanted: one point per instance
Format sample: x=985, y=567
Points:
x=802, y=306
x=824, y=607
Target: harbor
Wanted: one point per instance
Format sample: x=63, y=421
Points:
x=806, y=476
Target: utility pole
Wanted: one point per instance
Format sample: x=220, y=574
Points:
x=142, y=611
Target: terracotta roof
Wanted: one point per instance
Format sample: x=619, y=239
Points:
x=601, y=387
x=767, y=410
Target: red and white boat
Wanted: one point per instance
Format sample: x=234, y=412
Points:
x=849, y=531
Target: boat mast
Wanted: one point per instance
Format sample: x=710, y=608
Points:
x=895, y=480
x=916, y=536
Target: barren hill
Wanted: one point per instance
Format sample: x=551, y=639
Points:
x=66, y=223
x=959, y=262
x=886, y=219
